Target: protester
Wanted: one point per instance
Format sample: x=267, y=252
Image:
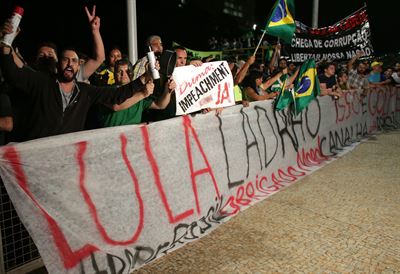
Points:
x=239, y=73
x=343, y=82
x=46, y=56
x=276, y=58
x=92, y=64
x=153, y=43
x=396, y=76
x=60, y=104
x=130, y=111
x=105, y=75
x=256, y=90
x=182, y=58
x=328, y=82
x=376, y=78
x=291, y=67
x=357, y=77
x=170, y=110
x=388, y=73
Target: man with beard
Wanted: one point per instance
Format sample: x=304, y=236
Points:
x=46, y=55
x=60, y=103
x=357, y=77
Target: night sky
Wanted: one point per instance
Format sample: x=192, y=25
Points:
x=67, y=26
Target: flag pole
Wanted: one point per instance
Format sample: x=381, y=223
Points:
x=294, y=100
x=259, y=42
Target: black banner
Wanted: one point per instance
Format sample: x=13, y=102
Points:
x=338, y=42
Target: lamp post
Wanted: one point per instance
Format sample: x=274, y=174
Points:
x=315, y=14
x=132, y=30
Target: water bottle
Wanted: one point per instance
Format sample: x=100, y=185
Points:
x=152, y=64
x=15, y=20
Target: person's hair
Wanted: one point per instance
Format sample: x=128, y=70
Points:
x=251, y=79
x=122, y=62
x=255, y=66
x=327, y=65
x=47, y=44
x=230, y=59
x=174, y=48
x=340, y=73
x=69, y=48
x=113, y=47
x=83, y=56
x=151, y=38
x=360, y=62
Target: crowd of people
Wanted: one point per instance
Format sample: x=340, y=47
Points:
x=66, y=91
x=223, y=43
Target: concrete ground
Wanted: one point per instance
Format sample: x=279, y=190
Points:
x=344, y=218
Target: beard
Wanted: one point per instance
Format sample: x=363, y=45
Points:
x=45, y=64
x=67, y=74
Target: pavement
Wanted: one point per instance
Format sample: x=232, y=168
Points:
x=344, y=218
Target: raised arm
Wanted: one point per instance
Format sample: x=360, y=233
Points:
x=109, y=95
x=163, y=101
x=352, y=60
x=274, y=58
x=243, y=71
x=25, y=80
x=137, y=97
x=98, y=51
x=7, y=28
x=251, y=93
x=293, y=77
x=273, y=79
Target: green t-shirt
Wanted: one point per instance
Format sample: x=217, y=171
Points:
x=129, y=116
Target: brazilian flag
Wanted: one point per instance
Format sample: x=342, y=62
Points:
x=285, y=97
x=281, y=22
x=306, y=85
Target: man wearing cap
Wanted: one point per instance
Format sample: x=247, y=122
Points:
x=376, y=77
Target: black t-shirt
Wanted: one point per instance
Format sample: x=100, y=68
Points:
x=329, y=81
x=5, y=111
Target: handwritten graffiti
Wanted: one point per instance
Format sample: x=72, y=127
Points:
x=140, y=255
x=263, y=186
x=265, y=147
x=287, y=124
x=350, y=103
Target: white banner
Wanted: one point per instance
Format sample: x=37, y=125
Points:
x=208, y=86
x=114, y=199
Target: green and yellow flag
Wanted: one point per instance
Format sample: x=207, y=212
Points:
x=281, y=22
x=306, y=85
x=285, y=97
